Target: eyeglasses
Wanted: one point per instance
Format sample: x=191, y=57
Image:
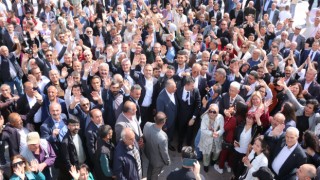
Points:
x=87, y=104
x=34, y=88
x=214, y=60
x=17, y=163
x=49, y=55
x=213, y=112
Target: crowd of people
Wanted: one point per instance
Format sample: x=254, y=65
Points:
x=89, y=87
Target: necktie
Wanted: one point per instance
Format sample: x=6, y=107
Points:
x=187, y=97
x=311, y=56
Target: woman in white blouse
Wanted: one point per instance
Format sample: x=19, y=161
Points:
x=212, y=129
x=256, y=159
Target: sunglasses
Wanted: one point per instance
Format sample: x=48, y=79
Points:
x=214, y=60
x=17, y=163
x=49, y=55
x=213, y=112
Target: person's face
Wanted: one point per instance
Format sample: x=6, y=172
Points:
x=115, y=89
x=206, y=57
x=288, y=72
x=291, y=138
x=74, y=128
x=126, y=66
x=189, y=87
x=294, y=89
x=274, y=51
x=233, y=91
x=262, y=91
x=68, y=59
x=6, y=92
x=275, y=121
x=180, y=59
x=54, y=76
x=96, y=83
x=55, y=112
x=204, y=69
x=10, y=28
x=33, y=147
x=18, y=164
x=255, y=55
x=77, y=66
x=213, y=112
x=195, y=71
x=4, y=51
x=17, y=123
x=156, y=73
x=87, y=56
x=52, y=93
x=62, y=38
x=257, y=147
x=302, y=173
x=251, y=79
x=84, y=175
x=156, y=48
x=49, y=56
x=97, y=117
x=256, y=101
x=29, y=90
x=180, y=11
x=148, y=71
x=99, y=23
x=260, y=73
x=85, y=105
x=172, y=88
x=103, y=71
x=129, y=139
x=135, y=94
x=310, y=75
x=216, y=7
x=308, y=109
x=217, y=76
x=76, y=91
x=37, y=74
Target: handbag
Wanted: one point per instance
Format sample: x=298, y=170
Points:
x=227, y=146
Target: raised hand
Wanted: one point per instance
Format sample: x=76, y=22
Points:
x=95, y=95
x=32, y=79
x=70, y=81
x=86, y=68
x=64, y=72
x=163, y=50
x=1, y=121
x=34, y=165
x=126, y=85
x=107, y=82
x=74, y=172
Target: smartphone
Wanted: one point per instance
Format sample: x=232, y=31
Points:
x=188, y=162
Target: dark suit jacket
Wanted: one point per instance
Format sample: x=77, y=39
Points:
x=296, y=55
x=275, y=16
x=9, y=43
x=224, y=103
x=300, y=40
x=109, y=115
x=69, y=152
x=91, y=139
x=202, y=85
x=86, y=40
x=186, y=111
x=43, y=17
x=96, y=32
x=165, y=105
x=293, y=162
x=219, y=15
x=141, y=80
x=239, y=18
x=313, y=90
x=305, y=55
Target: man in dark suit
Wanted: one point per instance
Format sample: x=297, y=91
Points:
x=146, y=102
x=230, y=99
x=266, y=6
x=92, y=133
x=311, y=89
x=99, y=30
x=112, y=102
x=273, y=14
x=313, y=53
x=88, y=39
x=189, y=109
x=72, y=156
x=297, y=37
x=237, y=14
x=11, y=38
x=47, y=16
x=200, y=82
x=54, y=129
x=216, y=13
x=167, y=103
x=287, y=156
x=292, y=49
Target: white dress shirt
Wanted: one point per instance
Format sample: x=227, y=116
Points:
x=171, y=96
x=282, y=157
x=149, y=90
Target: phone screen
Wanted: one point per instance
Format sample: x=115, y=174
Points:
x=188, y=162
